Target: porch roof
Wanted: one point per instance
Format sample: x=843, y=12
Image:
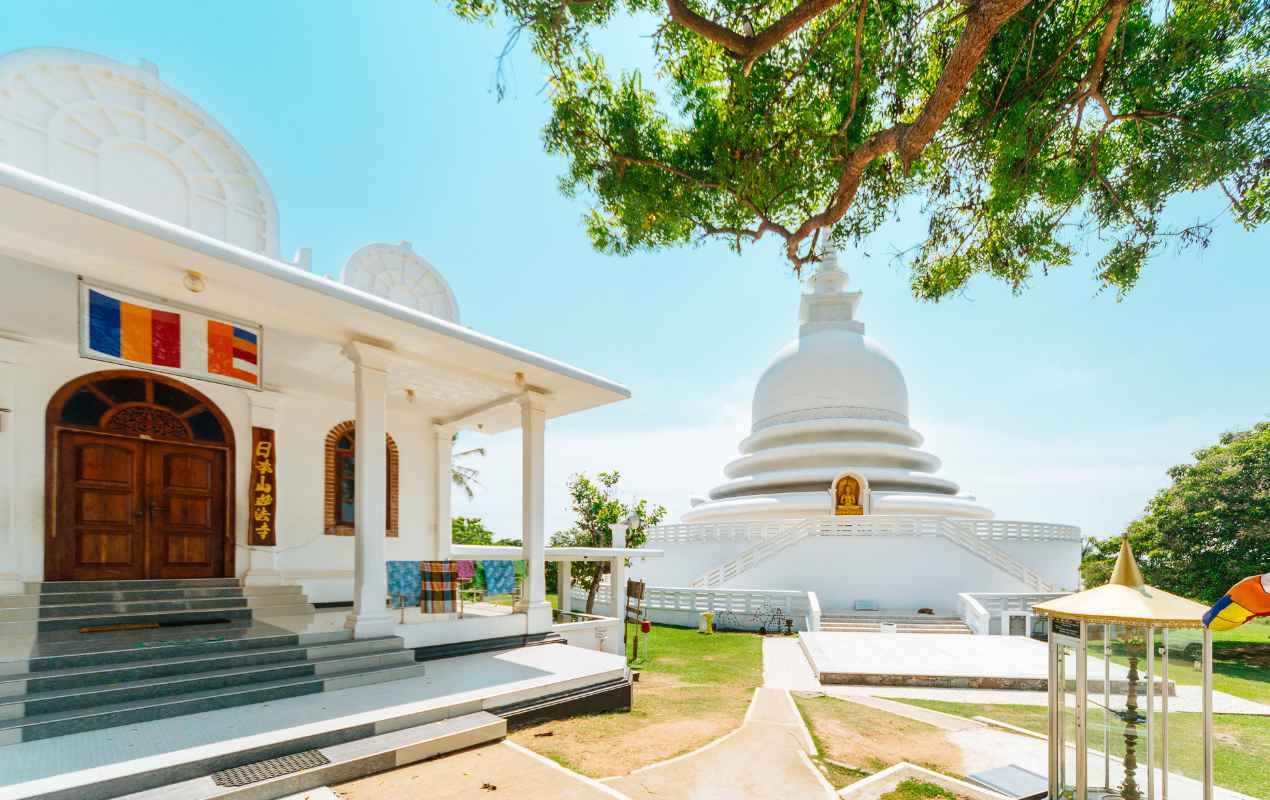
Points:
x=478, y=552
x=469, y=378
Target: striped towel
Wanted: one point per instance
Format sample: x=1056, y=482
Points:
x=403, y=579
x=439, y=584
x=500, y=577
x=466, y=569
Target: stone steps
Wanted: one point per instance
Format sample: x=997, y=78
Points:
x=200, y=653
x=72, y=605
x=904, y=623
x=75, y=720
x=345, y=761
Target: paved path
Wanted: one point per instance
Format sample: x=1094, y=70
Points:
x=765, y=758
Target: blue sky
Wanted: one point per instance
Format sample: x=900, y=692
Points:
x=377, y=122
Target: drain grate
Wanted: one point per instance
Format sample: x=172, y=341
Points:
x=269, y=768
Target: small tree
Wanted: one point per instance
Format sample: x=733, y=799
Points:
x=1211, y=527
x=597, y=508
x=470, y=530
x=462, y=475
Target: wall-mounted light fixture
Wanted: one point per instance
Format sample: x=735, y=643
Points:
x=194, y=281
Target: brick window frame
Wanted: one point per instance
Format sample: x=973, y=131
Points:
x=330, y=526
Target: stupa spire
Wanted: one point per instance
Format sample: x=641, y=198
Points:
x=828, y=302
x=1126, y=572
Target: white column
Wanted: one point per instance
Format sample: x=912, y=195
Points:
x=369, y=617
x=617, y=574
x=262, y=562
x=533, y=424
x=1207, y=689
x=564, y=583
x=441, y=523
x=11, y=539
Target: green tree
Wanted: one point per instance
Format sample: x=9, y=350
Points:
x=597, y=508
x=470, y=530
x=1210, y=528
x=1029, y=130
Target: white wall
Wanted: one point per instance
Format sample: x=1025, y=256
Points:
x=685, y=561
x=39, y=305
x=1058, y=561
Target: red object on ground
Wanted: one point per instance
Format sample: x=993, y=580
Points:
x=645, y=626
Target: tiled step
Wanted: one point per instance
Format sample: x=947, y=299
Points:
x=60, y=723
x=44, y=612
x=58, y=650
x=236, y=612
x=37, y=703
x=348, y=760
x=33, y=599
x=104, y=675
x=54, y=587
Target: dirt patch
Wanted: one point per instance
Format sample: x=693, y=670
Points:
x=869, y=739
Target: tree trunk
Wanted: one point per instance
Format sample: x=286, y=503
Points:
x=590, y=596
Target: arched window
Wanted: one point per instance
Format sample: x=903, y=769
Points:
x=139, y=404
x=341, y=482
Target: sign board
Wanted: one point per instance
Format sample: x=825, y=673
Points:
x=1065, y=631
x=126, y=327
x=262, y=496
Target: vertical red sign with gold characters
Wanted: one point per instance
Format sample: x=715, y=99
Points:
x=263, y=496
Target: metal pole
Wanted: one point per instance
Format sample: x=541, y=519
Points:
x=1164, y=721
x=1150, y=712
x=1055, y=740
x=1106, y=706
x=1082, y=702
x=1208, y=714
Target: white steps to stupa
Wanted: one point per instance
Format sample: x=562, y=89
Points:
x=904, y=623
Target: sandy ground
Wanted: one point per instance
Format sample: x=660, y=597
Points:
x=502, y=770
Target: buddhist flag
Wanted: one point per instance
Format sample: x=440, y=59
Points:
x=231, y=351
x=127, y=327
x=1247, y=599
x=133, y=332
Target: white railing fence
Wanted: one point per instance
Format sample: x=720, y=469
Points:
x=743, y=609
x=869, y=525
x=979, y=609
x=755, y=554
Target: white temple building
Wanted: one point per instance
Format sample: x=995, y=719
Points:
x=832, y=503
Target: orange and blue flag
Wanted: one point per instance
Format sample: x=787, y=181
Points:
x=1246, y=600
x=133, y=332
x=232, y=352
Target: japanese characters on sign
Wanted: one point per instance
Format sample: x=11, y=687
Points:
x=262, y=498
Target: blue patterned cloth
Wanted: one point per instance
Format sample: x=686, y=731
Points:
x=500, y=577
x=404, y=579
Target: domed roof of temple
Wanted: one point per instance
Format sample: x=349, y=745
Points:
x=832, y=403
x=832, y=370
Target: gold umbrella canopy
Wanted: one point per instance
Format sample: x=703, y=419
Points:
x=1127, y=599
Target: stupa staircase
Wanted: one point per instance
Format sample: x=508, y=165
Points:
x=84, y=655
x=797, y=531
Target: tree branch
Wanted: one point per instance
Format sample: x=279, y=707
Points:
x=749, y=49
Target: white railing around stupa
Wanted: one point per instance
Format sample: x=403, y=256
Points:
x=734, y=608
x=962, y=533
x=871, y=525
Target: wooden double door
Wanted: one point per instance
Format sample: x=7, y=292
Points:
x=129, y=508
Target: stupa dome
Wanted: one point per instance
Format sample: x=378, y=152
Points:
x=832, y=403
x=830, y=372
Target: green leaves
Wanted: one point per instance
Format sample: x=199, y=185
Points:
x=1078, y=124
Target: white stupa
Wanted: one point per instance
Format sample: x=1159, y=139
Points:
x=832, y=405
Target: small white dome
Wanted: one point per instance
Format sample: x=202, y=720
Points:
x=830, y=372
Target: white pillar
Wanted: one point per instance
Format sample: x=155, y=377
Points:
x=533, y=424
x=617, y=574
x=443, y=540
x=11, y=538
x=369, y=617
x=262, y=562
x=564, y=583
x=1207, y=688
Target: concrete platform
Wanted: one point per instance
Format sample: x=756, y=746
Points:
x=114, y=761
x=953, y=661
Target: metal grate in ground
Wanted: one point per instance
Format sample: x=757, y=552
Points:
x=269, y=768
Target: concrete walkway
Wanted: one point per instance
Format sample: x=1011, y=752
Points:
x=767, y=757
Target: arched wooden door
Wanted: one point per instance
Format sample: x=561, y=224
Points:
x=139, y=481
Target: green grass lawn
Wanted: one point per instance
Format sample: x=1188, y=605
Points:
x=1241, y=753
x=913, y=789
x=692, y=689
x=1241, y=659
